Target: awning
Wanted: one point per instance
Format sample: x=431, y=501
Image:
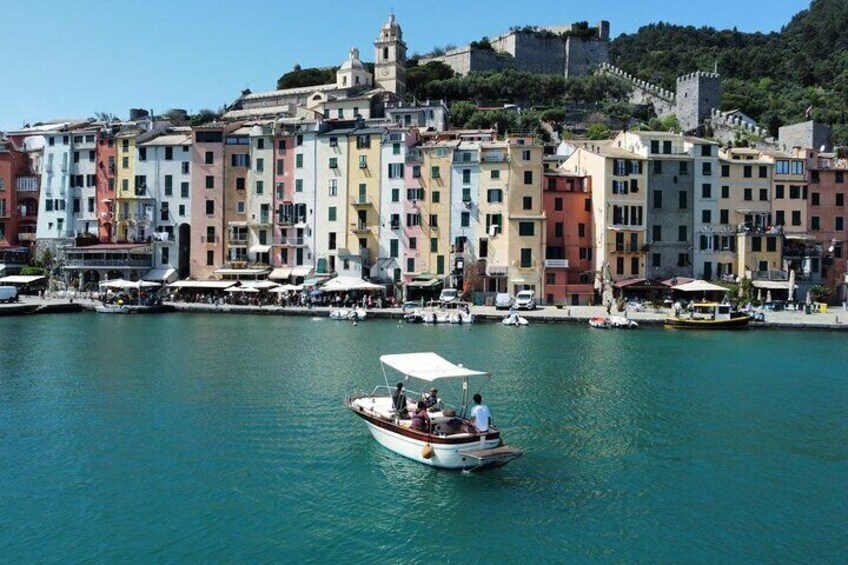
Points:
x=21, y=279
x=280, y=273
x=772, y=285
x=424, y=283
x=242, y=289
x=241, y=271
x=301, y=271
x=219, y=285
x=259, y=249
x=427, y=366
x=237, y=224
x=342, y=284
x=160, y=275
x=260, y=285
x=699, y=286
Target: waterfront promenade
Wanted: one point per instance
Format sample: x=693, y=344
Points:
x=835, y=319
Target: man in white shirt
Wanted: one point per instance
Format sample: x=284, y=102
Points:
x=480, y=415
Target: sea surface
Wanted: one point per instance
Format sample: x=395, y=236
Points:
x=202, y=438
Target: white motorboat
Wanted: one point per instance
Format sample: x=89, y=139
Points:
x=348, y=314
x=601, y=323
x=513, y=319
x=111, y=309
x=622, y=323
x=449, y=441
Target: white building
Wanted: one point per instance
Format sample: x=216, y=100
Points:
x=260, y=193
x=165, y=163
x=303, y=254
x=331, y=199
x=465, y=228
x=55, y=220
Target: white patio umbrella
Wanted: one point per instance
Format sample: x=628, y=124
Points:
x=768, y=297
x=759, y=295
x=792, y=285
x=809, y=300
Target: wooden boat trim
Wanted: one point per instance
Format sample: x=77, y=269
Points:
x=493, y=433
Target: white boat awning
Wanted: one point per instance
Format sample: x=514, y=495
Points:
x=21, y=279
x=160, y=275
x=280, y=273
x=427, y=366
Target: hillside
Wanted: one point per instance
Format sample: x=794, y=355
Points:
x=773, y=77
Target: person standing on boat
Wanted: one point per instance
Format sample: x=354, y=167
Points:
x=480, y=415
x=399, y=400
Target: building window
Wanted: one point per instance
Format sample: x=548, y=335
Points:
x=706, y=190
x=658, y=199
x=210, y=157
x=747, y=171
x=395, y=170
x=413, y=243
x=298, y=185
x=725, y=192
x=210, y=207
x=298, y=160
x=527, y=202
x=706, y=216
x=434, y=245
x=410, y=265
x=706, y=169
x=657, y=167
x=724, y=216
x=435, y=172
x=683, y=200
x=465, y=220
x=260, y=187
x=656, y=260
x=778, y=191
x=363, y=161
x=748, y=194
x=494, y=195
x=581, y=230
x=763, y=171
x=796, y=218
x=240, y=183
x=210, y=181
x=528, y=177
x=413, y=220
x=332, y=214
x=260, y=164
x=656, y=233
x=526, y=228
x=526, y=257
x=393, y=248
x=184, y=190
x=763, y=194
x=434, y=220
x=840, y=199
x=210, y=257
x=169, y=185
x=558, y=204
x=839, y=223
x=333, y=188
x=682, y=233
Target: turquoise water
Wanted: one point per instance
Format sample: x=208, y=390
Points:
x=200, y=438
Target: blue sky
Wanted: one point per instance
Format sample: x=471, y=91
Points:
x=71, y=58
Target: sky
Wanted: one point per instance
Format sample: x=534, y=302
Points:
x=72, y=58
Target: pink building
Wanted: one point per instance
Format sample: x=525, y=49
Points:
x=207, y=202
x=105, y=176
x=284, y=154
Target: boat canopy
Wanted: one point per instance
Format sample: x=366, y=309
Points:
x=428, y=366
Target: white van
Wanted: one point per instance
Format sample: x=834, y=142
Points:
x=8, y=294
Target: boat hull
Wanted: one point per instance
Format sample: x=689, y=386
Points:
x=739, y=322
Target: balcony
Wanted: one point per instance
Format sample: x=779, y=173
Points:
x=285, y=221
x=27, y=184
x=264, y=220
x=209, y=239
x=495, y=157
x=289, y=241
x=413, y=156
x=627, y=248
x=239, y=240
x=361, y=200
x=770, y=275
x=360, y=227
x=556, y=263
x=94, y=262
x=26, y=236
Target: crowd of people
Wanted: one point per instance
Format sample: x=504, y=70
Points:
x=297, y=299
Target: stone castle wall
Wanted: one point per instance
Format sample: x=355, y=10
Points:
x=697, y=95
x=644, y=93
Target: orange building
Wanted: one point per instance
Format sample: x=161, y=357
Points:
x=569, y=265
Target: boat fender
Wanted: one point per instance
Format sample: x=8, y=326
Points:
x=427, y=451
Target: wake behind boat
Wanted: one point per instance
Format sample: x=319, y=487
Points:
x=447, y=438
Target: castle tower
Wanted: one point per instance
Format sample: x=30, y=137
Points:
x=390, y=58
x=698, y=94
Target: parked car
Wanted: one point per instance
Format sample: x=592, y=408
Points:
x=503, y=301
x=8, y=294
x=448, y=295
x=525, y=300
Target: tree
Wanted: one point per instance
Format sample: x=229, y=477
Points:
x=425, y=74
x=598, y=132
x=300, y=78
x=461, y=112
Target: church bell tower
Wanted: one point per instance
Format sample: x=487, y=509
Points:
x=390, y=58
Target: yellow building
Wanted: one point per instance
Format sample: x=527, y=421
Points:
x=744, y=204
x=434, y=211
x=789, y=191
x=619, y=189
x=760, y=255
x=128, y=215
x=363, y=190
x=525, y=231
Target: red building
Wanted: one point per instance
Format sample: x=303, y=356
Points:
x=19, y=190
x=569, y=261
x=827, y=216
x=106, y=182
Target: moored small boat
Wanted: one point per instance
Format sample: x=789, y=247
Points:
x=599, y=322
x=709, y=316
x=513, y=319
x=111, y=309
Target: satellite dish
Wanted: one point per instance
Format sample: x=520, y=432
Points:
x=822, y=148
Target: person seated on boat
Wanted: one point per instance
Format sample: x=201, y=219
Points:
x=420, y=418
x=399, y=401
x=480, y=416
x=431, y=400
